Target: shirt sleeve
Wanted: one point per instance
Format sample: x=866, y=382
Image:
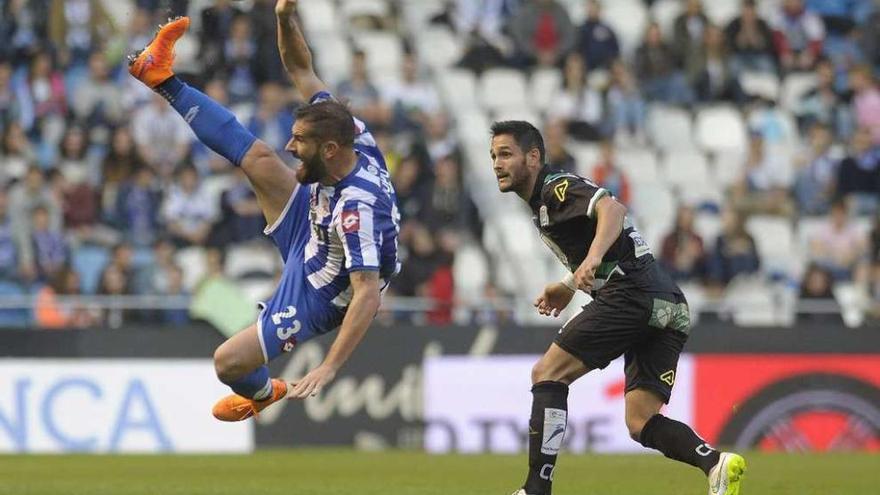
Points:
x=356, y=229
x=569, y=197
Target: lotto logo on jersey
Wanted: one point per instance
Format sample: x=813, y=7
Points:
x=351, y=221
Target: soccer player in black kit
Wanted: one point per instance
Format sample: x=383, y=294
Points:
x=637, y=310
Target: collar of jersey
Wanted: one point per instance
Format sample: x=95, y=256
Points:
x=535, y=200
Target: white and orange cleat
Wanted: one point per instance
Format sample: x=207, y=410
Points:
x=237, y=408
x=152, y=65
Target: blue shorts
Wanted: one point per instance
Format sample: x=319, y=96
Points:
x=294, y=313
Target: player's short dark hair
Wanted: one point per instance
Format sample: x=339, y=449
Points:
x=329, y=121
x=526, y=135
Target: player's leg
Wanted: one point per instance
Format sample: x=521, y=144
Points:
x=214, y=125
x=241, y=364
x=551, y=376
x=650, y=375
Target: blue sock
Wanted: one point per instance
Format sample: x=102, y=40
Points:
x=214, y=125
x=255, y=385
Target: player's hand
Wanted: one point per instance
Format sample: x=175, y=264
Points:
x=285, y=8
x=585, y=275
x=311, y=384
x=554, y=299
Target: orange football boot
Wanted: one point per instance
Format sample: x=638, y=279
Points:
x=237, y=408
x=152, y=65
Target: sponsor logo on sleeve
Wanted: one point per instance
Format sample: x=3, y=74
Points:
x=351, y=221
x=560, y=190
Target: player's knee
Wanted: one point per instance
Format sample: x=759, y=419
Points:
x=634, y=424
x=227, y=365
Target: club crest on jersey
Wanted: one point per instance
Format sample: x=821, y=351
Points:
x=351, y=221
x=560, y=190
x=543, y=217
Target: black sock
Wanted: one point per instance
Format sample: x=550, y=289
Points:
x=678, y=441
x=546, y=431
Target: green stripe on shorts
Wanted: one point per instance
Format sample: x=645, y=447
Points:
x=666, y=314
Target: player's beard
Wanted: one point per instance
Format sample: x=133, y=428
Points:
x=312, y=170
x=513, y=178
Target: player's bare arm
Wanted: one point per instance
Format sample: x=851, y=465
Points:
x=294, y=50
x=609, y=223
x=365, y=303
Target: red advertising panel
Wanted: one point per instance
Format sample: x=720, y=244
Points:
x=789, y=402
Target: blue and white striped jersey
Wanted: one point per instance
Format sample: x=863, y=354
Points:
x=354, y=224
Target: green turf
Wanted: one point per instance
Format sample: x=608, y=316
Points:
x=305, y=472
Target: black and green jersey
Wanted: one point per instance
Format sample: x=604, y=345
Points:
x=563, y=208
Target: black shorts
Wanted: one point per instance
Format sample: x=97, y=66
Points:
x=649, y=329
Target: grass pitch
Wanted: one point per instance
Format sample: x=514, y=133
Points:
x=334, y=472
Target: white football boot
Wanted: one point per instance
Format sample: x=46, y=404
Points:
x=726, y=476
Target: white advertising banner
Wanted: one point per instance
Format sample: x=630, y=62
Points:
x=114, y=405
x=483, y=405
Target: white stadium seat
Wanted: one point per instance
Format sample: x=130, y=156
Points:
x=357, y=8
x=193, y=262
x=247, y=260
x=728, y=167
x=721, y=12
x=653, y=205
x=708, y=226
x=721, y=128
x=503, y=89
x=438, y=47
x=760, y=84
x=628, y=18
x=774, y=239
x=682, y=168
x=319, y=16
x=470, y=272
x=458, y=87
x=640, y=164
x=332, y=56
x=670, y=128
x=384, y=50
x=664, y=12
x=543, y=85
x=794, y=87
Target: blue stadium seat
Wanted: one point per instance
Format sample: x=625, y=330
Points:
x=13, y=318
x=89, y=263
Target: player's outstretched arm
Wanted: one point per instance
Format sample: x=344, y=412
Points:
x=295, y=53
x=364, y=304
x=610, y=215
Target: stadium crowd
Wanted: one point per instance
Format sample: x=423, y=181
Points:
x=104, y=189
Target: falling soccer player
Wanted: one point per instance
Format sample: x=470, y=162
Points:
x=637, y=310
x=334, y=219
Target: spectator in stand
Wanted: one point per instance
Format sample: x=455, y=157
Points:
x=412, y=99
x=657, y=69
x=866, y=100
x=273, y=120
x=10, y=109
x=597, y=43
x=484, y=19
x=734, y=252
x=122, y=260
x=825, y=103
x=440, y=288
x=858, y=179
x=710, y=71
x=420, y=263
x=870, y=39
x=816, y=287
x=682, y=250
x=188, y=211
x=140, y=30
x=689, y=32
x=161, y=280
x=816, y=174
x=558, y=156
x=216, y=27
x=175, y=288
x=80, y=209
x=798, y=35
x=41, y=95
x=162, y=137
x=238, y=61
x=50, y=252
x=361, y=94
x=241, y=218
x=577, y=104
x=626, y=107
x=16, y=153
x=267, y=62
x=23, y=29
x=838, y=245
x=751, y=41
x=24, y=197
x=98, y=100
x=115, y=283
x=439, y=139
x=49, y=313
x=448, y=205
x=411, y=188
x=78, y=28
x=9, y=256
x=118, y=166
x=74, y=163
x=763, y=187
x=136, y=213
x=607, y=174
x=542, y=33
